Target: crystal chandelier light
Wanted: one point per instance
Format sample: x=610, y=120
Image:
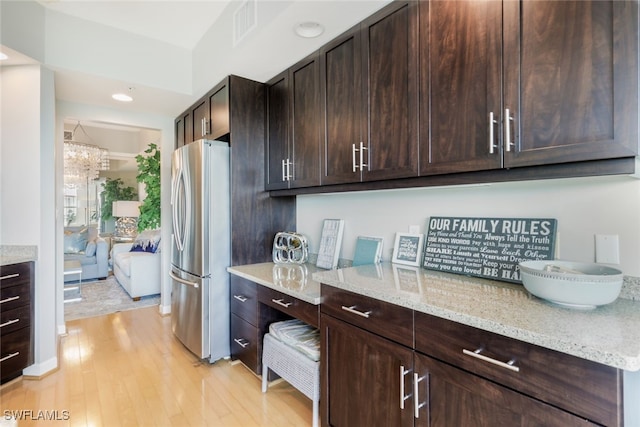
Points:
x=83, y=162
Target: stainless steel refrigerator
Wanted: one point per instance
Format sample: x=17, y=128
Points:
x=201, y=247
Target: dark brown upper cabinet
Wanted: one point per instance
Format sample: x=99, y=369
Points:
x=293, y=127
x=509, y=84
x=208, y=118
x=369, y=86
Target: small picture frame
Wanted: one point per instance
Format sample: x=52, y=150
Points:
x=407, y=249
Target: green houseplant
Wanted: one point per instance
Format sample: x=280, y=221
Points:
x=149, y=175
x=112, y=190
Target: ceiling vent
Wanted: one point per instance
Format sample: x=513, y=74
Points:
x=245, y=19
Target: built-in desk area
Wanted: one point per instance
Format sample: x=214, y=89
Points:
x=265, y=293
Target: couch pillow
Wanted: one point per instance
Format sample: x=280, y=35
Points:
x=91, y=249
x=147, y=241
x=75, y=243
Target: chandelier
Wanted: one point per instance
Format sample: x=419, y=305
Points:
x=83, y=162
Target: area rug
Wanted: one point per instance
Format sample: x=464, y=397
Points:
x=103, y=297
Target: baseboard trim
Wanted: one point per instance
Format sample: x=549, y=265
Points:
x=39, y=370
x=164, y=310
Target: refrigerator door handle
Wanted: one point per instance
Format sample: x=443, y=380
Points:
x=184, y=282
x=181, y=198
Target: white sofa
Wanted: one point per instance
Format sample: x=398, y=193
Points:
x=137, y=272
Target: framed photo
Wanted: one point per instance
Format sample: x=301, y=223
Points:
x=407, y=249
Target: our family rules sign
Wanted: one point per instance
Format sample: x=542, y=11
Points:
x=488, y=247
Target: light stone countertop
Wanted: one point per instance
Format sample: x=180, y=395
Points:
x=608, y=334
x=291, y=279
x=15, y=254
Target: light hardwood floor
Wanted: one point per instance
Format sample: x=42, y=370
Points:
x=127, y=369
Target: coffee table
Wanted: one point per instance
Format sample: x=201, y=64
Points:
x=73, y=267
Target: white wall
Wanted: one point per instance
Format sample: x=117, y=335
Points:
x=27, y=190
x=583, y=207
x=163, y=124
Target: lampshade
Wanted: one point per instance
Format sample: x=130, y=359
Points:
x=126, y=208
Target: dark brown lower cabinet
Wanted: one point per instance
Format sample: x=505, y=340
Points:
x=449, y=397
x=362, y=380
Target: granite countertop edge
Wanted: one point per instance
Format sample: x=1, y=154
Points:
x=16, y=254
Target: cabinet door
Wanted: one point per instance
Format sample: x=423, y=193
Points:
x=218, y=124
x=571, y=80
x=200, y=115
x=390, y=103
x=179, y=126
x=449, y=396
x=460, y=59
x=305, y=147
x=361, y=377
x=341, y=88
x=277, y=150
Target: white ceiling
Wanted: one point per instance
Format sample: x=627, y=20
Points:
x=269, y=50
x=182, y=26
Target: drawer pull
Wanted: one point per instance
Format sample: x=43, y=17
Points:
x=403, y=397
x=508, y=365
x=9, y=276
x=353, y=310
x=241, y=342
x=10, y=356
x=282, y=303
x=10, y=299
x=10, y=322
x=240, y=298
x=417, y=405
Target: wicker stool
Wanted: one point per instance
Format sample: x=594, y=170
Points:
x=294, y=367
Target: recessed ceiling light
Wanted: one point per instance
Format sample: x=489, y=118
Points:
x=122, y=97
x=308, y=29
x=3, y=56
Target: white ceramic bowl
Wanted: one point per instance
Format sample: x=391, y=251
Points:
x=572, y=284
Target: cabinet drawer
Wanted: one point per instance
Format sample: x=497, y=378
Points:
x=595, y=390
x=12, y=320
x=15, y=353
x=245, y=343
x=244, y=299
x=294, y=307
x=15, y=296
x=16, y=275
x=382, y=318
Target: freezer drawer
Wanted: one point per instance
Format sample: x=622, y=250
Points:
x=190, y=312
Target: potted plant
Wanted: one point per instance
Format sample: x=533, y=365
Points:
x=149, y=175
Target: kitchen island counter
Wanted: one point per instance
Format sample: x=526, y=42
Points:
x=608, y=334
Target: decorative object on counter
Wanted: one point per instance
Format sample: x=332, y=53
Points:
x=407, y=249
x=368, y=250
x=488, y=247
x=572, y=284
x=290, y=247
x=127, y=213
x=330, y=243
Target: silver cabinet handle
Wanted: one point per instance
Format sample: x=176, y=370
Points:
x=354, y=311
x=492, y=123
x=507, y=130
x=417, y=405
x=241, y=342
x=403, y=397
x=284, y=177
x=362, y=163
x=184, y=282
x=353, y=157
x=282, y=303
x=10, y=322
x=10, y=299
x=240, y=298
x=206, y=126
x=289, y=163
x=12, y=355
x=510, y=365
x=9, y=276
